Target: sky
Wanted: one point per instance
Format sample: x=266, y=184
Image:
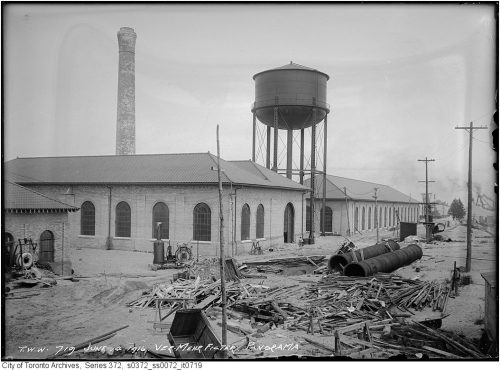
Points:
x=402, y=77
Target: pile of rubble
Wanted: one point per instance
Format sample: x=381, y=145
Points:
x=349, y=316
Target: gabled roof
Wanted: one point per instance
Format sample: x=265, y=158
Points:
x=181, y=168
x=20, y=199
x=357, y=190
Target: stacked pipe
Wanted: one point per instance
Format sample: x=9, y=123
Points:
x=337, y=262
x=387, y=262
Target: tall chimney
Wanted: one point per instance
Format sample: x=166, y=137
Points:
x=125, y=119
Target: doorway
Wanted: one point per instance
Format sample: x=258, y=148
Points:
x=289, y=221
x=46, y=253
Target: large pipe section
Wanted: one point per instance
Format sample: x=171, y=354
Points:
x=337, y=262
x=387, y=262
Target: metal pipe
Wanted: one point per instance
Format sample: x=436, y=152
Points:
x=275, y=146
x=268, y=148
x=289, y=147
x=301, y=173
x=339, y=261
x=387, y=262
x=253, y=136
x=109, y=243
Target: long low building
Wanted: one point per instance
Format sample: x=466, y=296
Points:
x=350, y=206
x=121, y=199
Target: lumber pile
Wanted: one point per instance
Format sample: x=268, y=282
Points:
x=381, y=289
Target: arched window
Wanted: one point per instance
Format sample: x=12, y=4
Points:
x=363, y=219
x=308, y=218
x=369, y=218
x=123, y=220
x=245, y=222
x=288, y=223
x=259, y=225
x=160, y=214
x=356, y=221
x=87, y=219
x=328, y=220
x=46, y=253
x=202, y=222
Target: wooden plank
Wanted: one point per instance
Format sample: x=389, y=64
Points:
x=207, y=301
x=349, y=328
x=440, y=352
x=319, y=345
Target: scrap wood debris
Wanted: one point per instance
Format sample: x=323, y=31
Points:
x=361, y=317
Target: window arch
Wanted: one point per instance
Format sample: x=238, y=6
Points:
x=123, y=220
x=46, y=253
x=356, y=221
x=202, y=222
x=328, y=220
x=259, y=225
x=245, y=222
x=160, y=214
x=369, y=218
x=363, y=218
x=87, y=218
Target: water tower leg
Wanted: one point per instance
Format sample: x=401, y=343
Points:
x=268, y=148
x=302, y=156
x=313, y=178
x=275, y=148
x=289, y=146
x=324, y=174
x=253, y=138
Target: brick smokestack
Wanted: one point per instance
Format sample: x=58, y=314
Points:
x=125, y=120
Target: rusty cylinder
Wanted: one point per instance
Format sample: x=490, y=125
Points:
x=387, y=262
x=337, y=262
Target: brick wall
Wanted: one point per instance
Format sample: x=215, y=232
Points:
x=31, y=225
x=181, y=201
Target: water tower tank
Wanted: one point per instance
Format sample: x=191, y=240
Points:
x=296, y=90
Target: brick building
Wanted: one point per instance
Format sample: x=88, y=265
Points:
x=32, y=215
x=121, y=198
x=350, y=206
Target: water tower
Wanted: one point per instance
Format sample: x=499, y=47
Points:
x=290, y=99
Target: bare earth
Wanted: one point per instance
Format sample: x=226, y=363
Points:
x=72, y=312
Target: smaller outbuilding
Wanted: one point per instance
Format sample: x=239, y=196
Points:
x=29, y=214
x=350, y=206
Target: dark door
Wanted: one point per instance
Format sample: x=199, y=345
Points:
x=288, y=224
x=46, y=253
x=8, y=250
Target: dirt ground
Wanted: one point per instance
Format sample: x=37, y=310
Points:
x=71, y=312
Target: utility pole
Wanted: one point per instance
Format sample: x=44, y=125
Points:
x=222, y=261
x=376, y=211
x=427, y=222
x=347, y=211
x=471, y=128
